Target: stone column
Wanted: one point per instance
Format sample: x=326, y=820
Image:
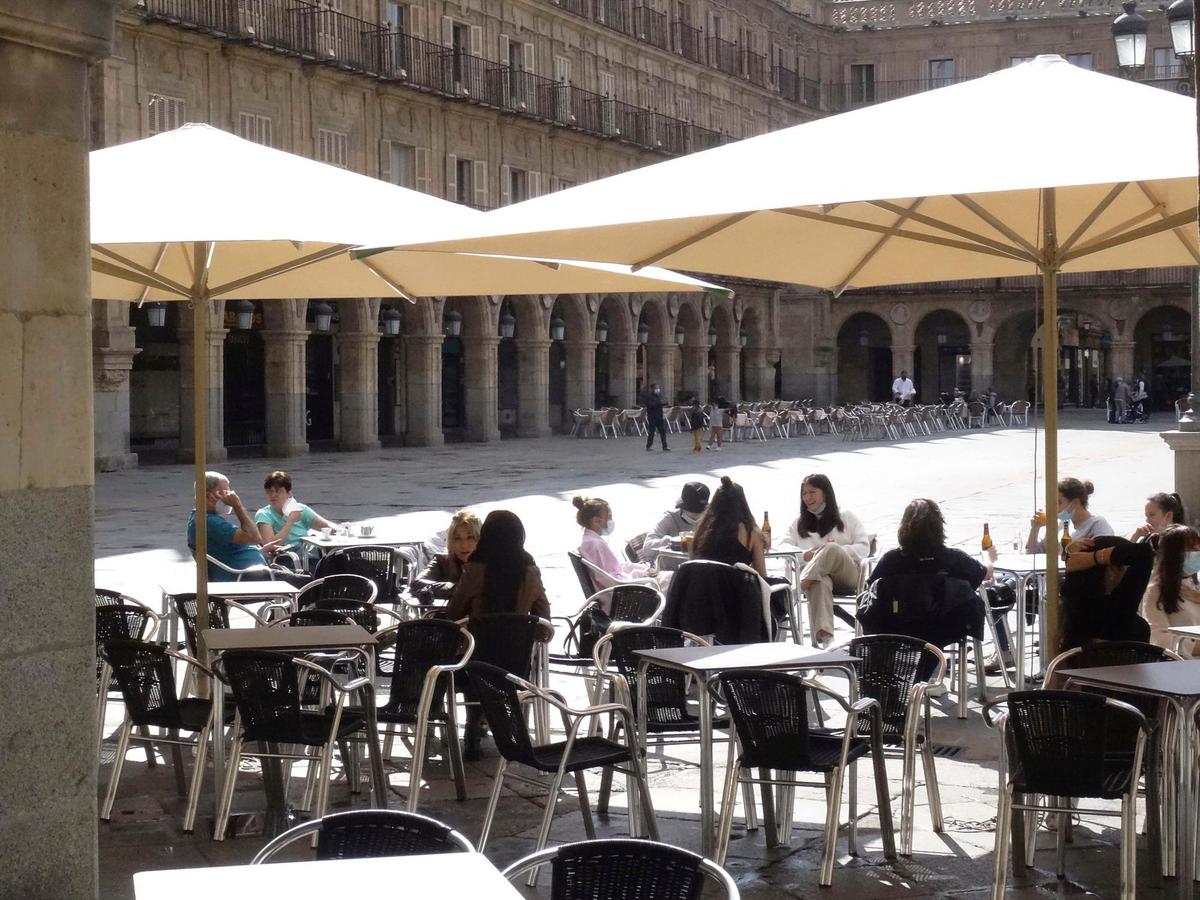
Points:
x=622, y=373
x=982, y=365
x=581, y=374
x=759, y=384
x=359, y=390
x=660, y=367
x=285, y=342
x=902, y=361
x=482, y=421
x=729, y=374
x=1120, y=361
x=1186, y=448
x=695, y=371
x=48, y=785
x=215, y=443
x=533, y=387
x=423, y=390
x=113, y=348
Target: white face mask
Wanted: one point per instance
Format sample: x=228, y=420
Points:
x=817, y=510
x=691, y=518
x=223, y=508
x=608, y=528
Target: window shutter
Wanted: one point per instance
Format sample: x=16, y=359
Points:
x=608, y=84
x=385, y=162
x=416, y=21
x=505, y=185
x=481, y=186
x=527, y=56
x=535, y=184
x=477, y=40
x=421, y=160
x=504, y=49
x=447, y=31
x=452, y=177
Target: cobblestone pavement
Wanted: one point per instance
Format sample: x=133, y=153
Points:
x=976, y=477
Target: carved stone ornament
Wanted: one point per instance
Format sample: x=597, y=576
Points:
x=547, y=301
x=980, y=311
x=901, y=313
x=673, y=305
x=593, y=302
x=495, y=299
x=1120, y=308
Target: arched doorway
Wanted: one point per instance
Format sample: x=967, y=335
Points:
x=1162, y=354
x=245, y=387
x=508, y=371
x=319, y=387
x=391, y=373
x=616, y=351
x=723, y=350
x=942, y=356
x=864, y=359
x=154, y=407
x=454, y=372
x=1013, y=365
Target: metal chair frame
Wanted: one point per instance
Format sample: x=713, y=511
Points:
x=314, y=826
x=258, y=570
x=318, y=585
x=104, y=675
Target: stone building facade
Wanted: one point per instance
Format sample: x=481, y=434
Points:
x=488, y=104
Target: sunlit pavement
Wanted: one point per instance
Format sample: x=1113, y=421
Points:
x=977, y=477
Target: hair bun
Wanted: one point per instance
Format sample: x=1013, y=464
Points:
x=1089, y=487
x=577, y=502
x=726, y=481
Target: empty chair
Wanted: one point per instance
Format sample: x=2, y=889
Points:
x=620, y=605
x=1053, y=743
x=731, y=602
x=615, y=868
x=382, y=565
x=339, y=587
x=1018, y=413
x=770, y=716
x=146, y=675
x=122, y=621
x=105, y=597
x=219, y=609
x=367, y=833
x=976, y=414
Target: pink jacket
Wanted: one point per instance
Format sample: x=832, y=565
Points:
x=614, y=570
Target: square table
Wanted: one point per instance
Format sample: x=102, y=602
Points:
x=241, y=591
x=1191, y=632
x=1179, y=684
x=447, y=876
x=287, y=639
x=704, y=662
x=1030, y=572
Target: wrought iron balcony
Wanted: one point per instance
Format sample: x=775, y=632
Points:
x=794, y=87
x=722, y=55
x=754, y=67
x=687, y=41
x=651, y=26
x=612, y=14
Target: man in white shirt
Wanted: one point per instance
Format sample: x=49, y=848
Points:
x=903, y=389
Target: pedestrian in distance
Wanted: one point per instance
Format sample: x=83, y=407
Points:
x=655, y=420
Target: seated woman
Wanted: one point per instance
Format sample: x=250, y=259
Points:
x=500, y=577
x=1173, y=596
x=1162, y=511
x=607, y=568
x=1073, y=497
x=438, y=580
x=834, y=542
x=285, y=519
x=1103, y=589
x=693, y=500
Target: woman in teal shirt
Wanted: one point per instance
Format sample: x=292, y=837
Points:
x=285, y=518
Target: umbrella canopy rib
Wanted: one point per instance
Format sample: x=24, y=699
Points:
x=132, y=271
x=693, y=239
x=1160, y=209
x=1168, y=223
x=281, y=269
x=390, y=282
x=1001, y=227
x=870, y=254
x=1006, y=249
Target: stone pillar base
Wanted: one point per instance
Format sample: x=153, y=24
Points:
x=359, y=445
x=1186, y=446
x=115, y=462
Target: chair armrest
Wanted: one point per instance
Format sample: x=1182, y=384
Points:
x=995, y=719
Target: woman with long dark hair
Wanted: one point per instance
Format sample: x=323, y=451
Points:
x=500, y=577
x=1172, y=597
x=726, y=532
x=834, y=542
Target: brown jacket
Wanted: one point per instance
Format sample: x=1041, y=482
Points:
x=467, y=599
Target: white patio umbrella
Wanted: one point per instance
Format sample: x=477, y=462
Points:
x=198, y=214
x=1041, y=168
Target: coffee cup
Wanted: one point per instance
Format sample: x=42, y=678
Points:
x=327, y=533
x=366, y=531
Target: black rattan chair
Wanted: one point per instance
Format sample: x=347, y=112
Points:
x=582, y=574
x=218, y=617
x=368, y=833
x=128, y=620
x=338, y=587
x=266, y=690
x=1053, y=744
x=889, y=671
x=770, y=716
x=382, y=565
x=617, y=868
x=146, y=675
x=502, y=695
x=105, y=597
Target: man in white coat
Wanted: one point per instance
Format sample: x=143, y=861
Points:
x=903, y=390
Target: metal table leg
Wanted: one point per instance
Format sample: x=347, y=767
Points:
x=706, y=768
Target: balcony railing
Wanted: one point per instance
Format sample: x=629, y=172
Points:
x=839, y=97
x=651, y=26
x=576, y=7
x=754, y=67
x=687, y=41
x=611, y=13
x=722, y=54
x=792, y=86
x=321, y=35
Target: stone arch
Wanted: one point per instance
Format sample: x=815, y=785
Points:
x=1012, y=369
x=941, y=355
x=577, y=321
x=690, y=317
x=530, y=316
x=615, y=314
x=864, y=358
x=653, y=312
x=1161, y=344
x=722, y=320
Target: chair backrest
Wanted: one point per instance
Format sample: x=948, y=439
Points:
x=505, y=640
x=713, y=598
x=497, y=696
x=363, y=614
x=421, y=644
x=888, y=667
x=581, y=573
x=367, y=833
x=146, y=676
x=341, y=587
x=666, y=689
x=185, y=605
x=376, y=563
x=266, y=690
x=123, y=621
x=633, y=547
x=305, y=618
x=770, y=712
x=623, y=867
x=106, y=597
x=633, y=602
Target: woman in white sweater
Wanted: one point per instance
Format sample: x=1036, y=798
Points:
x=833, y=541
x=1172, y=597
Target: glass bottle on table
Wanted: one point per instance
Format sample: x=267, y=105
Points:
x=1065, y=541
x=766, y=529
x=986, y=544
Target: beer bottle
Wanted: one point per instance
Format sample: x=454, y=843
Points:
x=986, y=544
x=1065, y=541
x=766, y=529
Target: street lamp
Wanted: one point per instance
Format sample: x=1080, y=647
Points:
x=322, y=316
x=601, y=331
x=558, y=329
x=244, y=314
x=643, y=332
x=1181, y=17
x=508, y=324
x=452, y=323
x=743, y=338
x=680, y=335
x=391, y=321
x=156, y=314
x=864, y=338
x=712, y=335
x=941, y=336
x=1129, y=32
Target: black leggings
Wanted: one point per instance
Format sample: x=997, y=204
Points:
x=659, y=426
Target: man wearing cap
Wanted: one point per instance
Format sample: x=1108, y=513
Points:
x=693, y=500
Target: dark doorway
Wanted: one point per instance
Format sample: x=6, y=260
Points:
x=389, y=388
x=879, y=373
x=508, y=376
x=559, y=414
x=454, y=379
x=603, y=394
x=318, y=389
x=245, y=392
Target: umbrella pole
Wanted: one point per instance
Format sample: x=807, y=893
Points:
x=1052, y=623
x=199, y=430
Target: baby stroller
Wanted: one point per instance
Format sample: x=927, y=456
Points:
x=1135, y=413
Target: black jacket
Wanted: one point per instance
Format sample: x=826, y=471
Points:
x=711, y=598
x=1090, y=614
x=932, y=598
x=654, y=406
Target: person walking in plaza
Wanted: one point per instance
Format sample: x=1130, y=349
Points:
x=903, y=390
x=607, y=569
x=285, y=519
x=1073, y=497
x=235, y=547
x=655, y=421
x=441, y=576
x=697, y=420
x=692, y=502
x=1172, y=597
x=723, y=417
x=834, y=542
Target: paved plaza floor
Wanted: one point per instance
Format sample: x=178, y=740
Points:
x=977, y=477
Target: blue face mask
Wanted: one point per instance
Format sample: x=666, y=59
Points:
x=608, y=528
x=1064, y=516
x=1191, y=562
x=817, y=510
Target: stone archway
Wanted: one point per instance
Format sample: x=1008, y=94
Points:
x=573, y=357
x=1162, y=354
x=690, y=363
x=864, y=359
x=941, y=356
x=656, y=355
x=724, y=356
x=616, y=354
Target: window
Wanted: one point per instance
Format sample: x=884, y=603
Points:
x=466, y=181
x=1083, y=60
x=164, y=113
x=514, y=185
x=397, y=164
x=862, y=83
x=1165, y=62
x=561, y=184
x=562, y=90
x=608, y=110
x=396, y=16
x=254, y=127
x=941, y=72
x=517, y=57
x=466, y=41
x=683, y=106
x=333, y=147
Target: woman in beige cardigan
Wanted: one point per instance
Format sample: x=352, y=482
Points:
x=1172, y=597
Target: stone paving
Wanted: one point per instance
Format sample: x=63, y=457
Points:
x=977, y=477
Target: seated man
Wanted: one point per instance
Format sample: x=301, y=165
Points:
x=693, y=500
x=234, y=547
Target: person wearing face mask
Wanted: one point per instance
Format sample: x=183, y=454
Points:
x=1173, y=596
x=236, y=547
x=607, y=568
x=655, y=420
x=693, y=500
x=833, y=541
x=1102, y=591
x=285, y=519
x=1162, y=510
x=1073, y=497
x=438, y=580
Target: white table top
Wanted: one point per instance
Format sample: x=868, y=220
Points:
x=1192, y=631
x=1020, y=563
x=447, y=876
x=340, y=541
x=234, y=589
x=724, y=657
